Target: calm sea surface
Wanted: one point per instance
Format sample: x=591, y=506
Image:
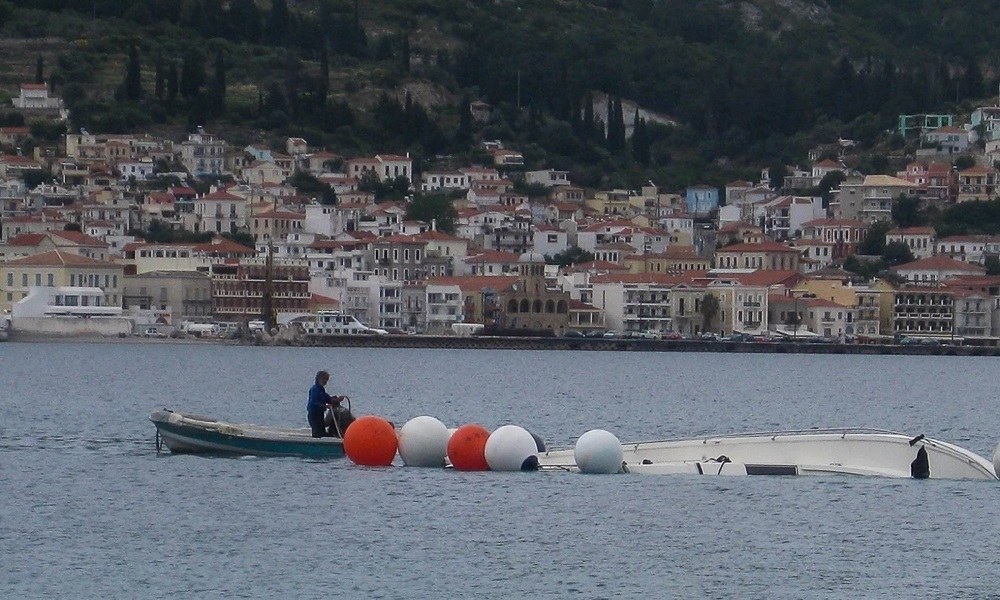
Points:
x=89, y=510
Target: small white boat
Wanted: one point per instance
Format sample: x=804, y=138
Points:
x=194, y=434
x=828, y=451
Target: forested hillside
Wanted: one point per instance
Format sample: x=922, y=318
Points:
x=748, y=83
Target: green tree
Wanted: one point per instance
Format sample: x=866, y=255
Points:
x=160, y=77
x=874, y=242
x=133, y=75
x=172, y=81
x=897, y=253
x=570, y=256
x=433, y=208
x=404, y=53
x=278, y=24
x=964, y=162
x=906, y=212
x=709, y=309
x=217, y=90
x=864, y=268
x=463, y=135
x=40, y=69
x=323, y=87
x=192, y=73
x=992, y=264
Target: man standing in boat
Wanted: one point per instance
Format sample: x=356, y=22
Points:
x=319, y=401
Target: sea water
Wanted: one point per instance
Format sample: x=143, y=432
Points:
x=88, y=509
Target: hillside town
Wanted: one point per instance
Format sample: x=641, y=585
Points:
x=754, y=258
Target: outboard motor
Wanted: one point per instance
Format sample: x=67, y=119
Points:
x=920, y=468
x=337, y=420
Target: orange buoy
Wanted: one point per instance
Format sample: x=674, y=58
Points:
x=467, y=448
x=371, y=442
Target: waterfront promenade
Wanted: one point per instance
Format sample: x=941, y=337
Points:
x=633, y=345
x=536, y=343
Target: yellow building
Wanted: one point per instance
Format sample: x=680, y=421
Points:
x=57, y=268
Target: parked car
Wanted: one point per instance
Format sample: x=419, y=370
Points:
x=672, y=335
x=572, y=333
x=153, y=332
x=708, y=336
x=595, y=334
x=930, y=342
x=908, y=341
x=643, y=335
x=610, y=334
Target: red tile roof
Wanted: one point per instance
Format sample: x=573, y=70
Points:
x=475, y=282
x=758, y=247
x=58, y=258
x=940, y=263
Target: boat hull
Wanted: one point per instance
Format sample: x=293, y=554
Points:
x=190, y=434
x=849, y=452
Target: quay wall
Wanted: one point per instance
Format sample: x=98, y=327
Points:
x=629, y=345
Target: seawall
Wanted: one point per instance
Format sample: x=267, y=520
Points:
x=628, y=345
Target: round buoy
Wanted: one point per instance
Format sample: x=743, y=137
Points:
x=509, y=447
x=423, y=442
x=467, y=448
x=598, y=451
x=370, y=442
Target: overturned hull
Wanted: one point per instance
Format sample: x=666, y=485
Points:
x=838, y=451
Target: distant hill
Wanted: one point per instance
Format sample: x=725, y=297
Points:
x=747, y=83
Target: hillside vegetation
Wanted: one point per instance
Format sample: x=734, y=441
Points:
x=749, y=83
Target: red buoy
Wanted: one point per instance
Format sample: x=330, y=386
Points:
x=467, y=448
x=371, y=442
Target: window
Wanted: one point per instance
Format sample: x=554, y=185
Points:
x=24, y=280
x=51, y=280
x=38, y=279
x=10, y=279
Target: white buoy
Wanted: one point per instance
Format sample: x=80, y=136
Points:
x=598, y=451
x=423, y=442
x=509, y=447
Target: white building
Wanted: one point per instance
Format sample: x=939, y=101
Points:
x=203, y=154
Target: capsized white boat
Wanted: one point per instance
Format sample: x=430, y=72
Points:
x=804, y=452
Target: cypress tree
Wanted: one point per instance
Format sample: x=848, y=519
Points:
x=133, y=75
x=277, y=27
x=588, y=115
x=609, y=124
x=161, y=77
x=464, y=133
x=218, y=90
x=324, y=76
x=172, y=84
x=192, y=74
x=40, y=69
x=405, y=53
